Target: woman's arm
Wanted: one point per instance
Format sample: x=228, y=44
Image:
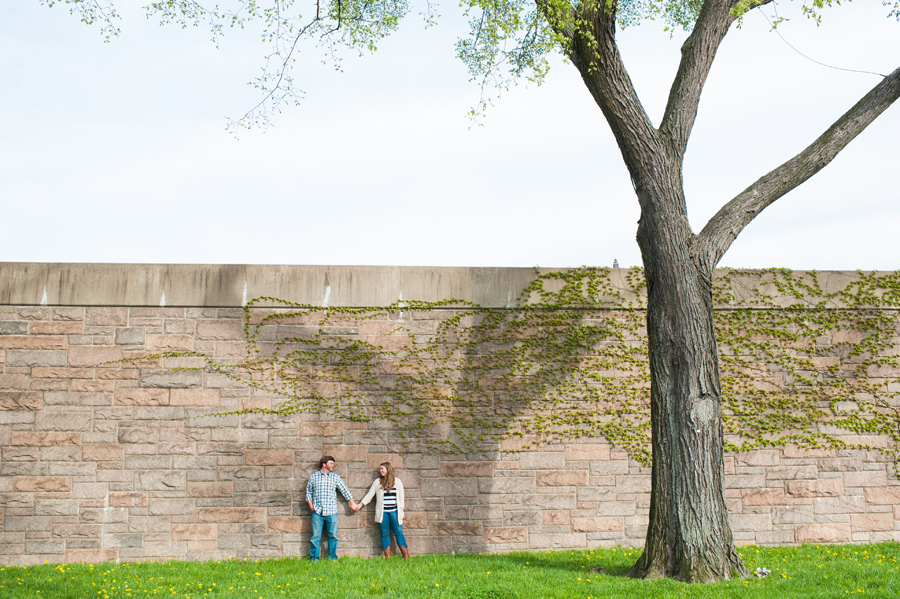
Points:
x=370, y=494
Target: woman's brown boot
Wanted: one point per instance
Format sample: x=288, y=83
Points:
x=387, y=553
x=404, y=552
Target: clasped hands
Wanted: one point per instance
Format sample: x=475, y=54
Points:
x=355, y=507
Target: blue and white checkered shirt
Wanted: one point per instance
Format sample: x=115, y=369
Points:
x=321, y=491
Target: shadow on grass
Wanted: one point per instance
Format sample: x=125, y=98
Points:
x=603, y=563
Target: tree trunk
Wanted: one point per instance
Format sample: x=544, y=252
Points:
x=688, y=537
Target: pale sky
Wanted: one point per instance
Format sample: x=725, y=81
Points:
x=117, y=152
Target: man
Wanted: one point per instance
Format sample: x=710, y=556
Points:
x=322, y=501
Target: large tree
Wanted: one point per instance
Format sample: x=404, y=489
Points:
x=689, y=536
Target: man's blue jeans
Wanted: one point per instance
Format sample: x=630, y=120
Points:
x=389, y=522
x=330, y=524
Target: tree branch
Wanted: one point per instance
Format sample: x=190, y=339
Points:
x=594, y=53
x=697, y=56
x=722, y=229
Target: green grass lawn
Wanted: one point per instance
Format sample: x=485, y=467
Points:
x=806, y=571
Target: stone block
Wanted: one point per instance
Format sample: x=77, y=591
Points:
x=56, y=328
x=293, y=524
x=21, y=400
x=745, y=481
x=94, y=355
x=822, y=533
x=831, y=487
x=162, y=506
x=26, y=523
x=45, y=439
x=561, y=478
x=55, y=507
x=130, y=336
x=42, y=484
x=64, y=421
x=44, y=547
x=455, y=528
x=628, y=485
x=27, y=342
x=128, y=499
x=269, y=457
x=554, y=518
x=194, y=532
x=194, y=397
x=210, y=489
x=14, y=327
x=506, y=485
x=103, y=515
x=867, y=478
x=542, y=460
x=467, y=469
x=449, y=487
x=153, y=480
x=759, y=457
x=99, y=317
x=750, y=522
x=883, y=495
x=506, y=534
x=846, y=504
x=793, y=515
x=172, y=380
x=840, y=464
x=90, y=490
x=92, y=386
x=795, y=451
x=872, y=522
x=166, y=343
x=597, y=524
x=762, y=496
x=103, y=452
x=220, y=329
x=806, y=472
x=14, y=382
x=35, y=358
x=231, y=514
x=141, y=397
x=590, y=452
x=261, y=499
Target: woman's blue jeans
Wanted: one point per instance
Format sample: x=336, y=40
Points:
x=389, y=522
x=330, y=525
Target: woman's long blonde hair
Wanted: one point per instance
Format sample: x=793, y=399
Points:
x=387, y=481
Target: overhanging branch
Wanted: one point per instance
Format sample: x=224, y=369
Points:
x=722, y=229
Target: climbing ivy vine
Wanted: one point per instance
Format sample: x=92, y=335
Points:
x=800, y=364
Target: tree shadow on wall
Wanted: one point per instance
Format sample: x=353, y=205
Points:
x=453, y=377
x=570, y=361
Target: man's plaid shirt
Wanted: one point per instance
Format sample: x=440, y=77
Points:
x=321, y=491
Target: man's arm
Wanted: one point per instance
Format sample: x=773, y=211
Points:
x=345, y=491
x=310, y=493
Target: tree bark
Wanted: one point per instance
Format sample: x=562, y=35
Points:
x=689, y=537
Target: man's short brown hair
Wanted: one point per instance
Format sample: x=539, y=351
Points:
x=325, y=459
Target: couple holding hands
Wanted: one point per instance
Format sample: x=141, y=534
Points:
x=321, y=497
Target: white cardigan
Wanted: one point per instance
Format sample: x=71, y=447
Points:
x=376, y=491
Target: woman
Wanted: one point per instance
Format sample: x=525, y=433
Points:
x=389, y=506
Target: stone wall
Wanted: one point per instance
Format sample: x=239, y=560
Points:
x=104, y=460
